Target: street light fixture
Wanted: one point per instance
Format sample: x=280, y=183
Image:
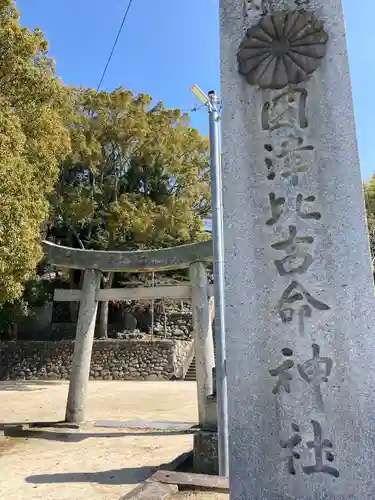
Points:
x=200, y=95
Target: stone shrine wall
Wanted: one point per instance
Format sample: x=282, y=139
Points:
x=111, y=360
x=175, y=325
x=178, y=325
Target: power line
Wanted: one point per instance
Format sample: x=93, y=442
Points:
x=114, y=44
x=192, y=110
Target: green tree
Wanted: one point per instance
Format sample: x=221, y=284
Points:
x=369, y=190
x=137, y=177
x=32, y=141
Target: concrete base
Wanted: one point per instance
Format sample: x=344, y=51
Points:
x=164, y=483
x=206, y=453
x=211, y=415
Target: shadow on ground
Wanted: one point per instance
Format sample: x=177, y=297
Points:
x=15, y=431
x=27, y=385
x=131, y=475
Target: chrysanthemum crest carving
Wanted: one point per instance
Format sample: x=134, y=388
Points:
x=283, y=48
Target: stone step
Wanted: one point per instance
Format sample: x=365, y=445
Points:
x=191, y=374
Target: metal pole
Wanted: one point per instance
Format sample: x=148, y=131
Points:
x=218, y=248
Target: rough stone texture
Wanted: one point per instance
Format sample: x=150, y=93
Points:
x=199, y=495
x=183, y=354
x=80, y=366
x=177, y=324
x=151, y=491
x=148, y=260
x=111, y=360
x=203, y=339
x=212, y=413
x=274, y=191
x=191, y=480
x=206, y=453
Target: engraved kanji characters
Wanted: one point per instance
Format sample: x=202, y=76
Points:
x=287, y=153
x=284, y=378
x=304, y=311
x=260, y=6
x=299, y=209
x=298, y=259
x=296, y=295
x=287, y=150
x=288, y=445
x=288, y=157
x=256, y=5
x=286, y=110
x=277, y=205
x=314, y=371
x=317, y=369
x=321, y=448
x=277, y=208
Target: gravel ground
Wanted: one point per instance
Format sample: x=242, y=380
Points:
x=92, y=463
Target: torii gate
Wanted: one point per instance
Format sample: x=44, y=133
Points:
x=93, y=262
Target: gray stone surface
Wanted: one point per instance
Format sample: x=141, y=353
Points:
x=162, y=425
x=183, y=354
x=130, y=321
x=151, y=491
x=203, y=339
x=205, y=457
x=81, y=360
x=148, y=260
x=291, y=170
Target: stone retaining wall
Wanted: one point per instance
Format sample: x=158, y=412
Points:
x=176, y=324
x=111, y=360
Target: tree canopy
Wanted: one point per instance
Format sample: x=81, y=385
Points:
x=33, y=139
x=107, y=170
x=369, y=190
x=137, y=176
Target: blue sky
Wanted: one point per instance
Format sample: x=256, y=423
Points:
x=167, y=45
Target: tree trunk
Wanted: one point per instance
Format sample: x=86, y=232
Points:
x=104, y=308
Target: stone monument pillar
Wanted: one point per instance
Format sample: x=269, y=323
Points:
x=299, y=286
